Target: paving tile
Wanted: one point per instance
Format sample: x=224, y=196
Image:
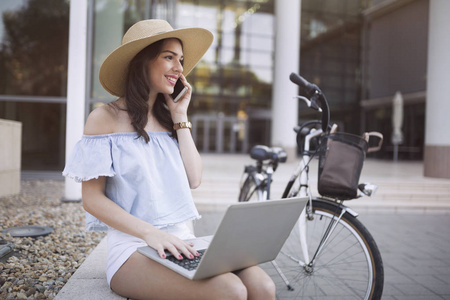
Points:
x=390, y=289
x=389, y=298
x=445, y=279
x=413, y=289
x=418, y=297
x=393, y=276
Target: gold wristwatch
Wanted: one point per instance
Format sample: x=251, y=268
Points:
x=181, y=125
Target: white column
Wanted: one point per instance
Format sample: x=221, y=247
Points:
x=287, y=55
x=76, y=87
x=437, y=138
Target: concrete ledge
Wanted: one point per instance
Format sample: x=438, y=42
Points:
x=10, y=157
x=89, y=281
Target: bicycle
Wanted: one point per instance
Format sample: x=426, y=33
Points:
x=329, y=251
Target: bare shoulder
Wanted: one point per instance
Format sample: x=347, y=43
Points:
x=102, y=120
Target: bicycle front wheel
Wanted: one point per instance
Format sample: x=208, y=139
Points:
x=251, y=190
x=348, y=266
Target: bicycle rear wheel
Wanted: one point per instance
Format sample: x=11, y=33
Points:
x=349, y=266
x=251, y=190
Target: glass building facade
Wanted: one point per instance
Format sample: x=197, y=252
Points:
x=330, y=56
x=360, y=53
x=233, y=80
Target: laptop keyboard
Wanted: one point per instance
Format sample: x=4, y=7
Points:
x=189, y=264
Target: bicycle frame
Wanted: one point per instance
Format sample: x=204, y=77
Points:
x=302, y=171
x=304, y=191
x=262, y=193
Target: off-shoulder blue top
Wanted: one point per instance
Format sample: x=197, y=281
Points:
x=147, y=180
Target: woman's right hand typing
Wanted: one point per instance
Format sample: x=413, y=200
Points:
x=161, y=241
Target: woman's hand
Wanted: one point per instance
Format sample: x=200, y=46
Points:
x=178, y=110
x=161, y=240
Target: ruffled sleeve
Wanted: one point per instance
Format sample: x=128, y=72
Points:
x=90, y=158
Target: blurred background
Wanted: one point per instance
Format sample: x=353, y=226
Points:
x=359, y=52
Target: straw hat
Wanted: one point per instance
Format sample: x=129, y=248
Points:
x=113, y=71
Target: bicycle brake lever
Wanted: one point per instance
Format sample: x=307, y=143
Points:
x=313, y=103
x=315, y=106
x=310, y=103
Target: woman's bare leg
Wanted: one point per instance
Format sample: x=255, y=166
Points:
x=259, y=285
x=143, y=278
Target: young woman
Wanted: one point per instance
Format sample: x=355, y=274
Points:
x=137, y=163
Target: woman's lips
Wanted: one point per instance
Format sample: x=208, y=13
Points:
x=172, y=79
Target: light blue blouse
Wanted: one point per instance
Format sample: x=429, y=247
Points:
x=147, y=180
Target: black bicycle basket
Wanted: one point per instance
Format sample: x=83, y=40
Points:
x=341, y=158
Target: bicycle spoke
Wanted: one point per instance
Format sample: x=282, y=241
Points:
x=340, y=256
x=332, y=281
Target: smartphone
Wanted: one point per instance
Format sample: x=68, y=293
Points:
x=179, y=90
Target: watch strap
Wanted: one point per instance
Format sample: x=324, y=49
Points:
x=182, y=125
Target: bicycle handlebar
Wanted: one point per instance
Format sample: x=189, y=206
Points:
x=314, y=93
x=300, y=81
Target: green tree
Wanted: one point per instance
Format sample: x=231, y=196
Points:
x=34, y=50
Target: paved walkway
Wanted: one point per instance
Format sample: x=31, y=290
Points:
x=409, y=218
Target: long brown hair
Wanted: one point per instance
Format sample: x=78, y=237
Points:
x=137, y=91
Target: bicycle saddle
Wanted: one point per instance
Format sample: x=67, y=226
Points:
x=261, y=153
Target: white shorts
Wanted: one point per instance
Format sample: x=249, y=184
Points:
x=121, y=246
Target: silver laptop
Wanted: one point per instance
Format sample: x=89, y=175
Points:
x=249, y=234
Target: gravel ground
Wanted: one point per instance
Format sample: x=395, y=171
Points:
x=39, y=267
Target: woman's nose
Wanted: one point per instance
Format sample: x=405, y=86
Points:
x=178, y=66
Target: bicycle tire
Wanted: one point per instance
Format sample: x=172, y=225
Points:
x=349, y=267
x=250, y=190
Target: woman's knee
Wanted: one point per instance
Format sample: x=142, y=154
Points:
x=229, y=286
x=268, y=288
x=238, y=291
x=259, y=285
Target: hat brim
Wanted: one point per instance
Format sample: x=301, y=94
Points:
x=113, y=72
